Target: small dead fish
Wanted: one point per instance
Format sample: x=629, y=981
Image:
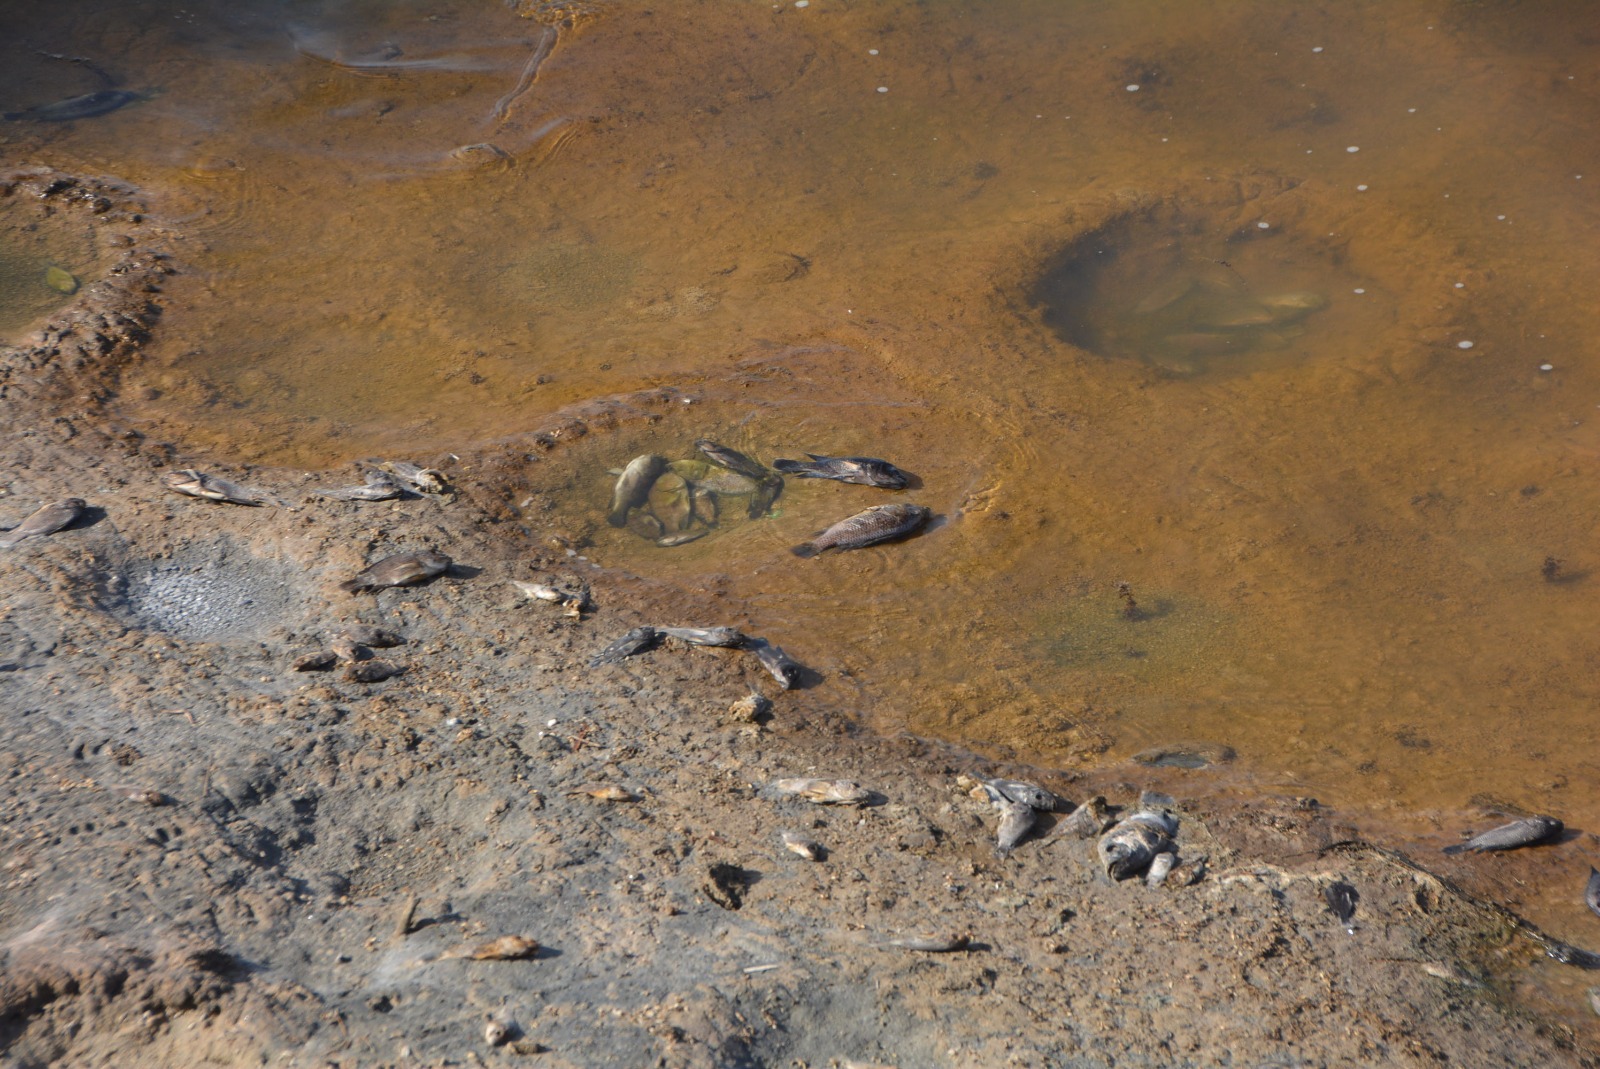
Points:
x=1129, y=847
x=348, y=649
x=380, y=486
x=1169, y=291
x=1160, y=866
x=803, y=847
x=376, y=637
x=1089, y=819
x=670, y=502
x=636, y=641
x=572, y=596
x=1287, y=307
x=607, y=793
x=1028, y=794
x=733, y=460
x=633, y=486
x=681, y=539
x=87, y=106
x=1188, y=871
x=142, y=795
x=877, y=524
x=495, y=1033
x=400, y=569
x=1342, y=898
x=47, y=520
x=193, y=483
x=371, y=671
x=505, y=948
x=1016, y=820
x=1591, y=893
x=866, y=471
x=785, y=669
x=933, y=944
x=703, y=505
x=1567, y=954
x=820, y=791
x=706, y=636
x=321, y=661
x=750, y=708
x=761, y=501
x=423, y=480
x=1527, y=832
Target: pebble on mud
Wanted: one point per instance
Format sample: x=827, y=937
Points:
x=750, y=709
x=321, y=661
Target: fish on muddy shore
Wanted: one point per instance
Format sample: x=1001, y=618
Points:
x=423, y=480
x=819, y=791
x=633, y=486
x=87, y=106
x=1089, y=819
x=706, y=636
x=877, y=524
x=1132, y=843
x=321, y=661
x=400, y=569
x=800, y=846
x=380, y=486
x=1016, y=820
x=1029, y=794
x=505, y=948
x=782, y=667
x=608, y=793
x=1527, y=832
x=46, y=520
x=769, y=484
x=571, y=594
x=866, y=471
x=371, y=671
x=1591, y=893
x=1160, y=867
x=932, y=944
x=683, y=538
x=636, y=641
x=193, y=483
x=1188, y=871
x=1342, y=898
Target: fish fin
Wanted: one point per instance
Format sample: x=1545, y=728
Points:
x=791, y=465
x=1459, y=848
x=353, y=586
x=804, y=550
x=819, y=458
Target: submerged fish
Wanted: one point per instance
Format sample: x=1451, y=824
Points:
x=399, y=569
x=733, y=460
x=706, y=636
x=681, y=539
x=193, y=483
x=785, y=669
x=633, y=486
x=1016, y=820
x=1129, y=847
x=636, y=641
x=1342, y=898
x=868, y=471
x=671, y=503
x=380, y=486
x=86, y=106
x=47, y=520
x=1510, y=836
x=877, y=524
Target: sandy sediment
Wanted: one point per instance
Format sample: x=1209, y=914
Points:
x=210, y=858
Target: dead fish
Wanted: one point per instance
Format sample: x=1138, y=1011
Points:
x=86, y=106
x=349, y=650
x=761, y=501
x=570, y=595
x=670, y=502
x=423, y=480
x=376, y=637
x=143, y=795
x=1288, y=307
x=47, y=520
x=1188, y=871
x=867, y=471
x=733, y=460
x=877, y=524
x=607, y=793
x=1510, y=836
x=380, y=486
x=1016, y=820
x=1129, y=847
x=1567, y=954
x=633, y=486
x=703, y=505
x=193, y=483
x=321, y=661
x=1591, y=893
x=820, y=791
x=636, y=641
x=1028, y=794
x=785, y=669
x=1160, y=866
x=1342, y=898
x=495, y=1033
x=706, y=636
x=681, y=539
x=400, y=569
x=933, y=944
x=704, y=475
x=1089, y=819
x=505, y=948
x=1169, y=291
x=803, y=847
x=371, y=671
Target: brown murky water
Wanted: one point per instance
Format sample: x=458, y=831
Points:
x=944, y=233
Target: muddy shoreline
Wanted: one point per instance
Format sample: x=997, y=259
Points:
x=325, y=853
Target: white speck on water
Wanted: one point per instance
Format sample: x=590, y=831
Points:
x=1133, y=89
x=453, y=721
x=802, y=3
x=1353, y=148
x=572, y=553
x=1501, y=218
x=1317, y=49
x=1163, y=140
x=1358, y=290
x=883, y=89
x=1463, y=345
x=1263, y=225
x=1411, y=111
x=583, y=558
x=1547, y=367
x=872, y=51
x=1361, y=188
x=1461, y=285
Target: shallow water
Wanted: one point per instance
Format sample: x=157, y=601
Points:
x=410, y=227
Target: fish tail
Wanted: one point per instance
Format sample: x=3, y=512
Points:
x=1459, y=848
x=805, y=549
x=791, y=465
x=618, y=518
x=352, y=586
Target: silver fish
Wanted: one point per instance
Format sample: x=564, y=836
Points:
x=633, y=486
x=1342, y=898
x=671, y=503
x=424, y=480
x=681, y=539
x=86, y=106
x=636, y=641
x=1591, y=893
x=1016, y=820
x=932, y=944
x=193, y=483
x=1160, y=866
x=399, y=569
x=1089, y=819
x=380, y=486
x=877, y=524
x=570, y=593
x=866, y=471
x=733, y=460
x=47, y=520
x=1129, y=847
x=819, y=791
x=1510, y=836
x=785, y=669
x=706, y=636
x=1015, y=790
x=798, y=844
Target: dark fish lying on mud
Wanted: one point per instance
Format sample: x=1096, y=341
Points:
x=867, y=471
x=86, y=106
x=401, y=569
x=47, y=520
x=636, y=641
x=1342, y=899
x=1510, y=836
x=633, y=486
x=380, y=486
x=769, y=484
x=706, y=636
x=1016, y=820
x=1591, y=893
x=782, y=667
x=193, y=483
x=1129, y=847
x=880, y=523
